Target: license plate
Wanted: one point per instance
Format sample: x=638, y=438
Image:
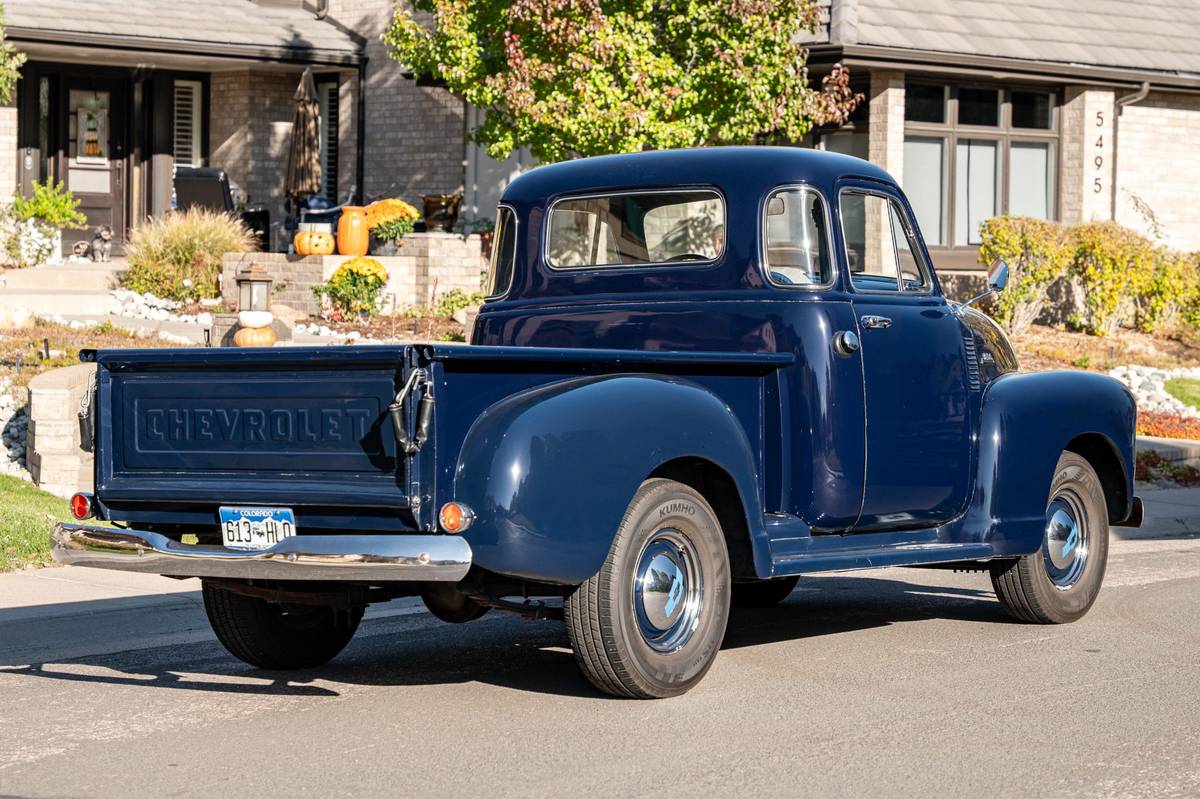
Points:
x=256, y=528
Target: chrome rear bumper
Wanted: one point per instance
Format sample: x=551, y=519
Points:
x=441, y=558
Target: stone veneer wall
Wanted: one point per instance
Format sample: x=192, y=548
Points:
x=426, y=263
x=56, y=461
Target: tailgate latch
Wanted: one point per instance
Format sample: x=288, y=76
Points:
x=417, y=381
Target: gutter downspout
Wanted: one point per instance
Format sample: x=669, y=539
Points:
x=1119, y=105
x=322, y=9
x=360, y=138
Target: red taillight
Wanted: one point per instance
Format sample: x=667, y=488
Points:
x=81, y=506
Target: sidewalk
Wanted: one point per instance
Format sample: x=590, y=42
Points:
x=1169, y=513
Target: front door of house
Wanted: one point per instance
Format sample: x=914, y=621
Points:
x=95, y=147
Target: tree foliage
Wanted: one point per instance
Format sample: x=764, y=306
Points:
x=584, y=77
x=10, y=63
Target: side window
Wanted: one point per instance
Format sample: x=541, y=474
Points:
x=797, y=251
x=880, y=251
x=504, y=254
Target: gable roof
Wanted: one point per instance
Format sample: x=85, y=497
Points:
x=1156, y=36
x=233, y=27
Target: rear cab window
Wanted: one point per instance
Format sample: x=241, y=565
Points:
x=649, y=228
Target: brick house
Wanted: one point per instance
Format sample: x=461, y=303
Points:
x=116, y=93
x=1066, y=109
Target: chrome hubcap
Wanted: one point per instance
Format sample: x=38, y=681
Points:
x=667, y=590
x=1065, y=549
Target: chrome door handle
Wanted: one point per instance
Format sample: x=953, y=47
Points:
x=876, y=322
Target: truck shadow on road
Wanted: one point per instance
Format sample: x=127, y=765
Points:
x=506, y=651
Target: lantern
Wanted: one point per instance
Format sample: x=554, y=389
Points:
x=254, y=289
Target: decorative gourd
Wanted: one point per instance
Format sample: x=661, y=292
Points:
x=313, y=242
x=254, y=337
x=354, y=238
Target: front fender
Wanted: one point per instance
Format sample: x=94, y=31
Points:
x=549, y=472
x=1027, y=421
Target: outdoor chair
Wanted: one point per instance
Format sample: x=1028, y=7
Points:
x=208, y=187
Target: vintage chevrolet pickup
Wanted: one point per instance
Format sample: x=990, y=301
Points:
x=697, y=375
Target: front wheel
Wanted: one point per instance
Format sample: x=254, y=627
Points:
x=1059, y=582
x=648, y=625
x=274, y=636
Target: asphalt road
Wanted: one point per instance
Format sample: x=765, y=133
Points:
x=900, y=683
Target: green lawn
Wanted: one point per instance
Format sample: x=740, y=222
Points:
x=1185, y=390
x=26, y=516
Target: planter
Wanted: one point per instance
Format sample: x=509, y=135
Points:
x=383, y=247
x=441, y=211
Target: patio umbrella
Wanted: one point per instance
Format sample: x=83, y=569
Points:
x=304, y=157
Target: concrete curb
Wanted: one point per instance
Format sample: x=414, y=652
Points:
x=1175, y=450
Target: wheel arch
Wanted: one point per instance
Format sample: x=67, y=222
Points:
x=720, y=490
x=1099, y=451
x=1027, y=421
x=550, y=472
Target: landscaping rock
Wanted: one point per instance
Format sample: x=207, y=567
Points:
x=1148, y=385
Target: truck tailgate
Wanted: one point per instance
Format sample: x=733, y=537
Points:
x=287, y=425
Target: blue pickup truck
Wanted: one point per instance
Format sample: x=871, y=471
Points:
x=698, y=375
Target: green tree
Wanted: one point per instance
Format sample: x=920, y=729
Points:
x=10, y=63
x=585, y=77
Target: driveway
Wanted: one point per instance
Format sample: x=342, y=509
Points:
x=900, y=682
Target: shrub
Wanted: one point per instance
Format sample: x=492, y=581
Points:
x=391, y=219
x=355, y=287
x=25, y=242
x=1112, y=266
x=456, y=299
x=1169, y=294
x=178, y=256
x=1038, y=253
x=1167, y=425
x=51, y=204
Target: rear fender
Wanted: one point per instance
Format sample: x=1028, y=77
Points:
x=1027, y=421
x=549, y=472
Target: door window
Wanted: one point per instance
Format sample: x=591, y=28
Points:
x=880, y=249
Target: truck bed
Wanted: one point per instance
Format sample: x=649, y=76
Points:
x=181, y=432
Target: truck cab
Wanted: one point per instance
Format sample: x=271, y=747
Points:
x=697, y=375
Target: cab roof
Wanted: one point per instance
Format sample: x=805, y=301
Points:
x=755, y=168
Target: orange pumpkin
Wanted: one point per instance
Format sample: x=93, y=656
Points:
x=313, y=242
x=254, y=336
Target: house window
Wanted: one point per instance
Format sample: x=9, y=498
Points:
x=327, y=96
x=972, y=152
x=187, y=121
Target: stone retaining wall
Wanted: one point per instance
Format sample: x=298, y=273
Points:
x=56, y=461
x=426, y=263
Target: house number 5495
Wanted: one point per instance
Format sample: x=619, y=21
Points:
x=1097, y=185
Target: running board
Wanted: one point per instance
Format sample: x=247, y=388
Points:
x=848, y=557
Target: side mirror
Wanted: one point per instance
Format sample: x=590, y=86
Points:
x=997, y=277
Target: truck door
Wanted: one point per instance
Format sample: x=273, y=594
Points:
x=918, y=436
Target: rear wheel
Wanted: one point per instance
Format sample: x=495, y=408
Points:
x=649, y=623
x=1060, y=581
x=275, y=636
x=763, y=593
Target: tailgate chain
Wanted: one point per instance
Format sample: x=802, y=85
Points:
x=417, y=380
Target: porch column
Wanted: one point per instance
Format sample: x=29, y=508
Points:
x=1086, y=171
x=9, y=157
x=885, y=125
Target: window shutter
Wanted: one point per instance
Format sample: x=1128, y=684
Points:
x=328, y=94
x=187, y=123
